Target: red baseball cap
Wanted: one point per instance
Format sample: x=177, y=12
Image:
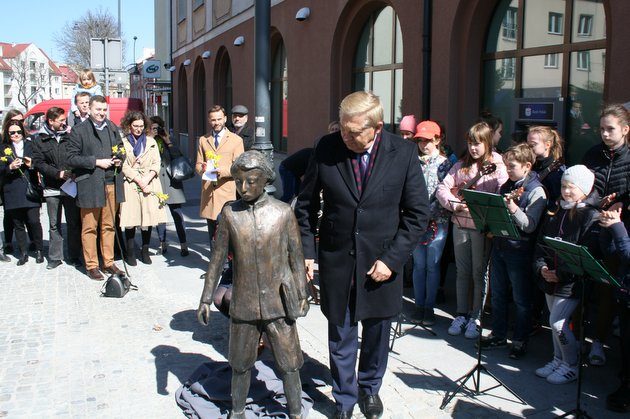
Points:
x=427, y=129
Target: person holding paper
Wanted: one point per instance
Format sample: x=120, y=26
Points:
x=216, y=152
x=49, y=158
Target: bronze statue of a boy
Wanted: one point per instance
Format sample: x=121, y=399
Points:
x=269, y=282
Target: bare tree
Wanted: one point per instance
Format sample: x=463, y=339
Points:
x=30, y=77
x=74, y=39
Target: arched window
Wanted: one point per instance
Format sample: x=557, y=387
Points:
x=223, y=80
x=200, y=119
x=279, y=98
x=548, y=50
x=378, y=63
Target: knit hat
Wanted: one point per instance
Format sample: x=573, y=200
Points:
x=427, y=129
x=581, y=176
x=408, y=123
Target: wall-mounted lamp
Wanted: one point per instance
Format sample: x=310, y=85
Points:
x=303, y=14
x=167, y=65
x=172, y=68
x=187, y=62
x=206, y=54
x=240, y=40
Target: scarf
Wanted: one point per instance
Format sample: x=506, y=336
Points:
x=138, y=144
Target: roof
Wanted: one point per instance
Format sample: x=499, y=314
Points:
x=13, y=50
x=67, y=74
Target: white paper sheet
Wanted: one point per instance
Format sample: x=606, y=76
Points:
x=209, y=174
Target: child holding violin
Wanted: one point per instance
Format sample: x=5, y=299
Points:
x=482, y=169
x=511, y=260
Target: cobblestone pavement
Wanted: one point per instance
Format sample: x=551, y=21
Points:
x=66, y=352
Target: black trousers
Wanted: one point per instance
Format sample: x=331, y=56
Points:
x=23, y=218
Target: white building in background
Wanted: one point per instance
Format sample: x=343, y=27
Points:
x=26, y=68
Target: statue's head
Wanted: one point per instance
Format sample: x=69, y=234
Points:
x=251, y=172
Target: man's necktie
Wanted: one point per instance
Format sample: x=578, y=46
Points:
x=216, y=140
x=364, y=159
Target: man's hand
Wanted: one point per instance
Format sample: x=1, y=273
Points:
x=379, y=272
x=459, y=207
x=548, y=275
x=64, y=174
x=203, y=313
x=104, y=163
x=310, y=268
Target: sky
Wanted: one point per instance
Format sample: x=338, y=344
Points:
x=42, y=19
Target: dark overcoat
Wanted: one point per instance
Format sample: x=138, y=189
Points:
x=385, y=222
x=13, y=183
x=83, y=149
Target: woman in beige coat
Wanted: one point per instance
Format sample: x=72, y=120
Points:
x=144, y=201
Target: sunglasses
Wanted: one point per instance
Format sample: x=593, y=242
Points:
x=15, y=132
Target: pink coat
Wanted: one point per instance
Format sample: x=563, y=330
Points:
x=457, y=177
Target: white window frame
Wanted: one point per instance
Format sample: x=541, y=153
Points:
x=508, y=26
x=583, y=61
x=585, y=25
x=551, y=60
x=507, y=68
x=555, y=23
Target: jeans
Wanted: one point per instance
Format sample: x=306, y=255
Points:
x=511, y=267
x=54, y=205
x=426, y=266
x=471, y=250
x=180, y=227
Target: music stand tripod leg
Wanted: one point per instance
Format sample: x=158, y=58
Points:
x=478, y=369
x=578, y=412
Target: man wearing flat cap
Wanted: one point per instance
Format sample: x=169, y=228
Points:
x=240, y=126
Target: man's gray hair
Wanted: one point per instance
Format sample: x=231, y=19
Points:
x=253, y=159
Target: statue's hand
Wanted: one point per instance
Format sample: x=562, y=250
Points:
x=203, y=313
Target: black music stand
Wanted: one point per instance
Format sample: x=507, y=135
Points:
x=579, y=261
x=490, y=215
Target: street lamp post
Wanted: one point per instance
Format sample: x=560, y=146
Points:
x=262, y=65
x=134, y=48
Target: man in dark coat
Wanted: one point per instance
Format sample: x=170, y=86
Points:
x=375, y=211
x=240, y=126
x=50, y=159
x=99, y=184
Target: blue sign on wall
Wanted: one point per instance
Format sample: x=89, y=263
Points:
x=535, y=111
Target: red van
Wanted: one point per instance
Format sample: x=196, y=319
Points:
x=34, y=118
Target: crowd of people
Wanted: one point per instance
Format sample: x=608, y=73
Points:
x=106, y=178
x=585, y=204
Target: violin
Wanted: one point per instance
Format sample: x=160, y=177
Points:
x=485, y=169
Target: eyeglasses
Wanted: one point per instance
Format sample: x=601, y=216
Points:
x=15, y=132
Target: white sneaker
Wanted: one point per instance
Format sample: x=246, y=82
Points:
x=472, y=329
x=597, y=356
x=563, y=374
x=457, y=326
x=551, y=366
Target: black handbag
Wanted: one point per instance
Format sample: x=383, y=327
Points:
x=34, y=192
x=180, y=169
x=117, y=286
